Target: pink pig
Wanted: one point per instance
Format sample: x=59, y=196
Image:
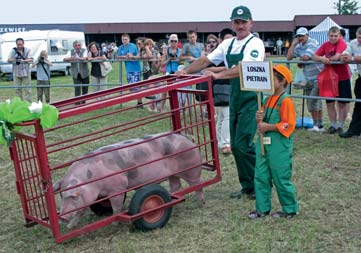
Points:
x=109, y=162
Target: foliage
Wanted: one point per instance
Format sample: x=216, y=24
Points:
x=346, y=7
x=18, y=111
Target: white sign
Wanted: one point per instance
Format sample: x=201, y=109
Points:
x=256, y=76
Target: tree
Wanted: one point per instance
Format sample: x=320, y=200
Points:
x=346, y=7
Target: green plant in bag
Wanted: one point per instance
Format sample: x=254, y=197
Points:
x=16, y=111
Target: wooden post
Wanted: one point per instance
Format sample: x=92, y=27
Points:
x=260, y=134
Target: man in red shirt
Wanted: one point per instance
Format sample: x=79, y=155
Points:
x=329, y=51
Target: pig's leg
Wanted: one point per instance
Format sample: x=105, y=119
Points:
x=193, y=177
x=117, y=203
x=174, y=183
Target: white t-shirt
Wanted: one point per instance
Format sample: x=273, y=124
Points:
x=254, y=50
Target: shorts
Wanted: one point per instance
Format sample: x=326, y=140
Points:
x=313, y=105
x=344, y=91
x=133, y=77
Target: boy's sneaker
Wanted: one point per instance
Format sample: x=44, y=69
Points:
x=321, y=129
x=256, y=215
x=331, y=130
x=284, y=215
x=314, y=129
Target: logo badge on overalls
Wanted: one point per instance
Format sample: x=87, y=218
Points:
x=254, y=53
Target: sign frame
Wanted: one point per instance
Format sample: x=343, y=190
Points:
x=243, y=67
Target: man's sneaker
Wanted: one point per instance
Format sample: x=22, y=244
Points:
x=331, y=130
x=284, y=215
x=347, y=134
x=256, y=214
x=339, y=130
x=226, y=150
x=314, y=129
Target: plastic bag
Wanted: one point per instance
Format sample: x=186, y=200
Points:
x=328, y=82
x=299, y=81
x=105, y=68
x=307, y=122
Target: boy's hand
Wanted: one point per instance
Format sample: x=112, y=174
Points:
x=262, y=127
x=259, y=116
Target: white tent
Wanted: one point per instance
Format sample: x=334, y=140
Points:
x=320, y=31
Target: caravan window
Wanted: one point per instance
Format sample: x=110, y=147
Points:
x=57, y=45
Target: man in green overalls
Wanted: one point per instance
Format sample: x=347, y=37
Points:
x=243, y=104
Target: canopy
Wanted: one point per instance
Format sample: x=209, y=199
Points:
x=320, y=31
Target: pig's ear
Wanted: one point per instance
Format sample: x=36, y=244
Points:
x=57, y=185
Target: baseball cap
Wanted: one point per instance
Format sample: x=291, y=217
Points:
x=241, y=12
x=284, y=71
x=301, y=31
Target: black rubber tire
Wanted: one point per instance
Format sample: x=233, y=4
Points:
x=149, y=197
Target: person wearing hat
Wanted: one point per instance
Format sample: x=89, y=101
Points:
x=243, y=104
x=276, y=121
x=305, y=47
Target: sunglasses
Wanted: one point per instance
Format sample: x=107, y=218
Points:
x=175, y=41
x=211, y=42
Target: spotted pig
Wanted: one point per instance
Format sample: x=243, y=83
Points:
x=123, y=155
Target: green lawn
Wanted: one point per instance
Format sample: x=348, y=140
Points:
x=327, y=176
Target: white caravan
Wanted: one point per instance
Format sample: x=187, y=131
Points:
x=56, y=42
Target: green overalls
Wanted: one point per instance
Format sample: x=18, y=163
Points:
x=242, y=123
x=276, y=166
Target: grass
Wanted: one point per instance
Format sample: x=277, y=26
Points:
x=327, y=176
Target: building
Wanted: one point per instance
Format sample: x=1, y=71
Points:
x=269, y=30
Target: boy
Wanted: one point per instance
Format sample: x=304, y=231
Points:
x=277, y=121
x=329, y=51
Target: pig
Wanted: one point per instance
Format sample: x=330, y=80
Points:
x=101, y=165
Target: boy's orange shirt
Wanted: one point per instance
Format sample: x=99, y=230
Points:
x=287, y=114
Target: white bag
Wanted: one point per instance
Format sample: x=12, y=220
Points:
x=105, y=68
x=299, y=82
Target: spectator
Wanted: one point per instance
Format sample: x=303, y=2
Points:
x=277, y=121
x=279, y=45
x=305, y=47
x=287, y=46
x=353, y=54
x=21, y=57
x=43, y=76
x=95, y=53
x=221, y=100
x=192, y=50
x=171, y=55
x=79, y=68
x=150, y=67
x=243, y=104
x=329, y=51
x=129, y=52
x=211, y=43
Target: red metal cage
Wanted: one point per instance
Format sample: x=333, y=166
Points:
x=94, y=120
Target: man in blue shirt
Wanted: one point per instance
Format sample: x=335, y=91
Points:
x=129, y=51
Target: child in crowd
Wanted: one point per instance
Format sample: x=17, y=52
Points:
x=329, y=51
x=277, y=121
x=43, y=76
